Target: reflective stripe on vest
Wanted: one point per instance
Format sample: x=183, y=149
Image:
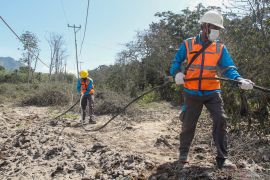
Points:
x=205, y=66
x=84, y=85
x=198, y=66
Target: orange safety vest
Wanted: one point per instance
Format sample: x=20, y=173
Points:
x=204, y=66
x=84, y=85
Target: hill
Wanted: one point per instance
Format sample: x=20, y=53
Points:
x=10, y=64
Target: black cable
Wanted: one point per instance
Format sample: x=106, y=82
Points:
x=125, y=107
x=230, y=80
x=121, y=111
x=67, y=110
x=85, y=25
x=23, y=42
x=255, y=86
x=147, y=92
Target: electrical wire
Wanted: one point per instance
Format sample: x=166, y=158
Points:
x=23, y=42
x=64, y=12
x=85, y=25
x=122, y=110
x=147, y=92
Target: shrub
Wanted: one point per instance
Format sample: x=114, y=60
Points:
x=109, y=102
x=47, y=97
x=148, y=98
x=3, y=89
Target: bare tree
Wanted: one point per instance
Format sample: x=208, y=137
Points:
x=58, y=54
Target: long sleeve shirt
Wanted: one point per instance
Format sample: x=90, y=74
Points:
x=89, y=87
x=225, y=64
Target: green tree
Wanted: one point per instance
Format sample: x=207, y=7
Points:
x=2, y=68
x=30, y=52
x=145, y=61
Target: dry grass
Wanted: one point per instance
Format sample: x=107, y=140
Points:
x=46, y=97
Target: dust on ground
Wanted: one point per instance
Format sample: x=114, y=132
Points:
x=142, y=146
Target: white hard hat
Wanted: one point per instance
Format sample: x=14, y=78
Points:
x=212, y=17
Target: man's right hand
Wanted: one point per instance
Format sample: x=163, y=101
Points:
x=179, y=78
x=246, y=84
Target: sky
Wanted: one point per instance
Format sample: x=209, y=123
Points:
x=111, y=24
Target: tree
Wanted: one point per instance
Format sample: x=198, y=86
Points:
x=2, y=68
x=247, y=37
x=145, y=61
x=30, y=52
x=58, y=54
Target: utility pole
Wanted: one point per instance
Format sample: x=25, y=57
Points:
x=80, y=65
x=65, y=76
x=75, y=31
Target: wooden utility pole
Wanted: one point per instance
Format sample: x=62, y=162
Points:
x=75, y=31
x=80, y=65
x=65, y=76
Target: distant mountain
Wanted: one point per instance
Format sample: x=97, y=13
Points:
x=10, y=64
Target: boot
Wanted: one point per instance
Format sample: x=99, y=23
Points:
x=92, y=120
x=182, y=162
x=183, y=159
x=225, y=164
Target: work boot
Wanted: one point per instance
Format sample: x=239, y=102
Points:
x=225, y=164
x=83, y=121
x=182, y=162
x=92, y=121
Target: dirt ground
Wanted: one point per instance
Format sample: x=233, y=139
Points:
x=142, y=146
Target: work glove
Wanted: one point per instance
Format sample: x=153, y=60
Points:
x=246, y=84
x=179, y=78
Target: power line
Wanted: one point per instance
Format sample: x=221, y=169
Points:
x=23, y=42
x=63, y=9
x=85, y=25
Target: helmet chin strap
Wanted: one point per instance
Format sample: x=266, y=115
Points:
x=206, y=35
x=208, y=31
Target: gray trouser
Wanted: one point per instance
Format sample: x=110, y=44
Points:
x=194, y=105
x=90, y=99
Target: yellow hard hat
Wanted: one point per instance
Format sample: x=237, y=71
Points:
x=84, y=74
